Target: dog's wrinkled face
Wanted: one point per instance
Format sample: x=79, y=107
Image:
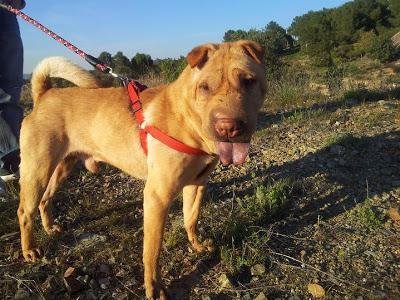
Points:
x=228, y=91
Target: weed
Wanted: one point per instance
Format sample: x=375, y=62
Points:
x=249, y=253
x=343, y=139
x=268, y=200
x=366, y=216
x=304, y=115
x=175, y=235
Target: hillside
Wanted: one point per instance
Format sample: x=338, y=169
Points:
x=317, y=202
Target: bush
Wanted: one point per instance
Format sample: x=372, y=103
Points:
x=382, y=48
x=170, y=68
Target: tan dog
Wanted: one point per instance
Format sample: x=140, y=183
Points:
x=213, y=106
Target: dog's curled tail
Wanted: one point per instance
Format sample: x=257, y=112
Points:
x=62, y=68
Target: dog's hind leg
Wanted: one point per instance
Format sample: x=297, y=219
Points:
x=192, y=197
x=38, y=162
x=60, y=173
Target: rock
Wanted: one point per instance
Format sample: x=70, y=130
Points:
x=257, y=270
x=21, y=293
x=104, y=283
x=225, y=282
x=104, y=270
x=122, y=296
x=70, y=272
x=89, y=239
x=205, y=297
x=294, y=297
x=93, y=284
x=261, y=296
x=316, y=290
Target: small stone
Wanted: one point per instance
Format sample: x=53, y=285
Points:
x=257, y=270
x=205, y=297
x=261, y=296
x=15, y=255
x=70, y=272
x=225, y=282
x=104, y=283
x=93, y=284
x=105, y=270
x=294, y=297
x=316, y=290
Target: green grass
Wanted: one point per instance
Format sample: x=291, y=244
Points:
x=250, y=252
x=174, y=235
x=342, y=139
x=299, y=116
x=243, y=239
x=364, y=215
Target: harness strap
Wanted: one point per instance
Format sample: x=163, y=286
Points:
x=134, y=89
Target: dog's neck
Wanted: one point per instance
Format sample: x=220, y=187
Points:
x=174, y=100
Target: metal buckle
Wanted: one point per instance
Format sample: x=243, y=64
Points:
x=134, y=103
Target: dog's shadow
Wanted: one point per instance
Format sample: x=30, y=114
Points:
x=367, y=167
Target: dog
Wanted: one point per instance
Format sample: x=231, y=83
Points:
x=212, y=106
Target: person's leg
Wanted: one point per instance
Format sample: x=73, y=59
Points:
x=11, y=70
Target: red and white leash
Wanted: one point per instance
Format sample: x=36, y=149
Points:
x=134, y=89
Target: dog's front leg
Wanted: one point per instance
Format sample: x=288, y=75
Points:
x=192, y=197
x=157, y=201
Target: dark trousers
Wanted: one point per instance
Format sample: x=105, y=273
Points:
x=11, y=73
x=11, y=69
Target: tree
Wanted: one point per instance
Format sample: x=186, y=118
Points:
x=141, y=64
x=235, y=35
x=276, y=37
x=105, y=57
x=394, y=7
x=121, y=64
x=315, y=33
x=171, y=68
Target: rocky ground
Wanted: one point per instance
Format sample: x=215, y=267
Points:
x=313, y=212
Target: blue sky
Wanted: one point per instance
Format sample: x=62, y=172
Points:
x=159, y=28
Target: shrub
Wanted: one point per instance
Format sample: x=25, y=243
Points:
x=382, y=48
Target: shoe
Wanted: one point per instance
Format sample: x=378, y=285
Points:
x=4, y=97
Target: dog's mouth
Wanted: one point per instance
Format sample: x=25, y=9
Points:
x=235, y=153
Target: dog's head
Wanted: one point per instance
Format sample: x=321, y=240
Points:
x=228, y=89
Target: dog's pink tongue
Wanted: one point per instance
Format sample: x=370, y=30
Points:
x=232, y=152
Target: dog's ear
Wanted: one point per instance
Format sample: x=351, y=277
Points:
x=254, y=50
x=199, y=55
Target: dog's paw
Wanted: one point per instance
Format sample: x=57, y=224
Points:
x=209, y=246
x=32, y=255
x=206, y=246
x=157, y=294
x=53, y=229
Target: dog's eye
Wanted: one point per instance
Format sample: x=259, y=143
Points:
x=204, y=87
x=248, y=81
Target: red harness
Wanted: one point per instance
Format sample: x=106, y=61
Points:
x=134, y=89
